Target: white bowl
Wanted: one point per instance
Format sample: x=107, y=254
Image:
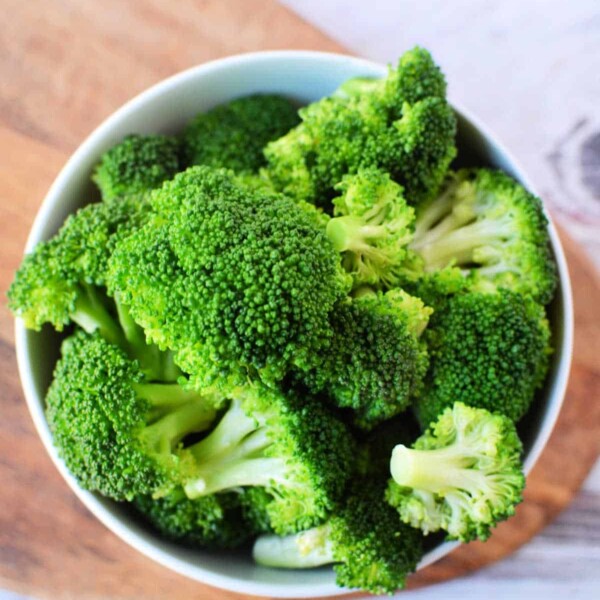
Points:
x=164, y=108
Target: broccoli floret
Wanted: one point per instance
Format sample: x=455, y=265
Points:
x=488, y=225
x=63, y=280
x=463, y=475
x=376, y=360
x=401, y=125
x=233, y=135
x=372, y=226
x=486, y=350
x=372, y=550
x=235, y=281
x=208, y=522
x=288, y=444
x=117, y=433
x=136, y=165
x=254, y=502
x=417, y=77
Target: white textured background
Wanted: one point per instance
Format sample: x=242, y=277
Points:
x=530, y=69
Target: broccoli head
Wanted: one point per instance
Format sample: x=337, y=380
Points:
x=116, y=433
x=463, y=475
x=489, y=226
x=288, y=444
x=207, y=522
x=372, y=550
x=233, y=135
x=372, y=226
x=486, y=350
x=136, y=165
x=376, y=360
x=402, y=125
x=235, y=281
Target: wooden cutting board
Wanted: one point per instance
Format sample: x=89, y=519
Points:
x=64, y=66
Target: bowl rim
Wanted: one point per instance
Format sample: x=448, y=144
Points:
x=35, y=403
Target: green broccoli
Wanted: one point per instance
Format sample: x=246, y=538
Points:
x=376, y=360
x=486, y=350
x=63, y=280
x=372, y=226
x=136, y=165
x=372, y=550
x=254, y=503
x=488, y=225
x=117, y=433
x=402, y=125
x=233, y=135
x=463, y=475
x=237, y=282
x=208, y=522
x=286, y=443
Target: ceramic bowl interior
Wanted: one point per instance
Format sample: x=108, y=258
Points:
x=165, y=108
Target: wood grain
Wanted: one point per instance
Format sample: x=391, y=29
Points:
x=64, y=66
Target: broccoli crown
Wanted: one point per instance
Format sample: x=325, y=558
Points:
x=416, y=77
x=233, y=135
x=486, y=350
x=235, y=281
x=376, y=360
x=463, y=474
x=289, y=445
x=374, y=550
x=57, y=282
x=136, y=165
x=117, y=434
x=488, y=225
x=408, y=133
x=371, y=228
x=207, y=522
x=371, y=548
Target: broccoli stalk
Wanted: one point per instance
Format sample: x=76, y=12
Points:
x=491, y=228
x=290, y=446
x=463, y=475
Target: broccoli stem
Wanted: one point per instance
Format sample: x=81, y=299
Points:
x=216, y=476
x=350, y=233
x=165, y=433
x=437, y=471
x=232, y=428
x=459, y=245
x=304, y=550
x=91, y=315
x=165, y=395
x=148, y=355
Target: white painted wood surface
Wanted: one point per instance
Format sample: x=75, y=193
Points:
x=530, y=69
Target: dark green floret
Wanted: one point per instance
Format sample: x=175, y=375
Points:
x=376, y=360
x=369, y=546
x=208, y=522
x=288, y=444
x=463, y=475
x=117, y=434
x=402, y=125
x=372, y=226
x=237, y=282
x=489, y=226
x=486, y=350
x=234, y=134
x=136, y=165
